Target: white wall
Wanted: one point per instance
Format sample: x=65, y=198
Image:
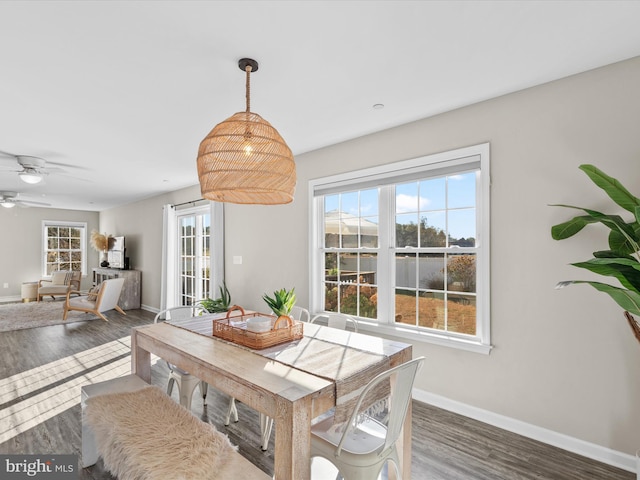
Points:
x=141, y=225
x=563, y=360
x=21, y=245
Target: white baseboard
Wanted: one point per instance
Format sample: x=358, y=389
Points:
x=571, y=444
x=149, y=309
x=11, y=299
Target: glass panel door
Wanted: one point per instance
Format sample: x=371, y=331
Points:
x=194, y=261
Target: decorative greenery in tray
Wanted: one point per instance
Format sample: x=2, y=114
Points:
x=220, y=304
x=282, y=301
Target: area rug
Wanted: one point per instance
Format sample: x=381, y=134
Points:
x=18, y=316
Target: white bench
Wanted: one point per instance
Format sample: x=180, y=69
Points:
x=130, y=454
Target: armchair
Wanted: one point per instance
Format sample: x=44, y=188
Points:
x=60, y=284
x=106, y=298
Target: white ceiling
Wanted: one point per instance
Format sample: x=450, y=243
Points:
x=121, y=93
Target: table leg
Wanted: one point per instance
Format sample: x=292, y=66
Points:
x=404, y=441
x=292, y=458
x=140, y=360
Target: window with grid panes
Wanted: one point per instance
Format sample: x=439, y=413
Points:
x=64, y=247
x=404, y=247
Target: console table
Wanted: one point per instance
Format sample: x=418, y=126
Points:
x=130, y=295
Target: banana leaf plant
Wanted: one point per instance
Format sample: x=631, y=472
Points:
x=622, y=260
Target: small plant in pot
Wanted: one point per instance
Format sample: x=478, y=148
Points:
x=622, y=260
x=282, y=301
x=220, y=304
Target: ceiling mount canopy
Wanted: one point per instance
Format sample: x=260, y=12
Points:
x=244, y=159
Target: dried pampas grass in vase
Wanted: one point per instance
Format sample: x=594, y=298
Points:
x=100, y=242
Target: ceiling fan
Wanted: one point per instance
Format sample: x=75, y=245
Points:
x=33, y=169
x=10, y=200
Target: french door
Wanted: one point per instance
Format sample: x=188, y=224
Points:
x=194, y=256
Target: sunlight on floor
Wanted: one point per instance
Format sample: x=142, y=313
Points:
x=53, y=400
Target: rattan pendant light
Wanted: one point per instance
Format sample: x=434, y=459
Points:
x=245, y=160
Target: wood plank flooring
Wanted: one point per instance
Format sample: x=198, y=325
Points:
x=41, y=370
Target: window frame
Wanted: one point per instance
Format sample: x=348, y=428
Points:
x=63, y=224
x=418, y=168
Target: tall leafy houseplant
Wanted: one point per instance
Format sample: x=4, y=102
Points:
x=622, y=260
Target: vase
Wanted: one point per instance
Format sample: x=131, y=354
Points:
x=105, y=260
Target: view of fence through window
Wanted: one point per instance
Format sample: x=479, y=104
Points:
x=194, y=265
x=433, y=245
x=63, y=248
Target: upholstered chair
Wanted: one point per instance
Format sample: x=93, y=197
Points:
x=60, y=284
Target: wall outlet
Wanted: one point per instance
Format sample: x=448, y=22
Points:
x=237, y=260
x=5, y=285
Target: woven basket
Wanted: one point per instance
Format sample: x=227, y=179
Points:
x=257, y=340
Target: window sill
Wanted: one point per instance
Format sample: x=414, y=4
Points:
x=418, y=336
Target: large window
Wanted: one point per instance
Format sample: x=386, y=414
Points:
x=404, y=247
x=64, y=247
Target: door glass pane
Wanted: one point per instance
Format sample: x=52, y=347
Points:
x=195, y=259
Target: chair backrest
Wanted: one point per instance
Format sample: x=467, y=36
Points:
x=179, y=313
x=399, y=398
x=300, y=313
x=76, y=277
x=109, y=294
x=61, y=277
x=338, y=320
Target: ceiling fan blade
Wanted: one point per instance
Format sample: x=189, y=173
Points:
x=29, y=203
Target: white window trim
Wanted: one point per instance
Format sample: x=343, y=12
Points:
x=83, y=241
x=482, y=342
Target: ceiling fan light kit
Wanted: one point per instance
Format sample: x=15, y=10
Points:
x=245, y=160
x=30, y=176
x=10, y=200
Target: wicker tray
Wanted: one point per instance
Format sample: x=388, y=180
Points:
x=257, y=340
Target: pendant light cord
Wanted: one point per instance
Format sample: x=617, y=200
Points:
x=248, y=88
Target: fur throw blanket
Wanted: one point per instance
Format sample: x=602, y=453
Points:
x=145, y=435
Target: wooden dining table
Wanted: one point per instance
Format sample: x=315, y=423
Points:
x=290, y=395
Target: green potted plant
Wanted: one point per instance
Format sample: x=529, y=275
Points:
x=282, y=301
x=622, y=260
x=220, y=304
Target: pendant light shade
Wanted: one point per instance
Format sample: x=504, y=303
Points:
x=245, y=160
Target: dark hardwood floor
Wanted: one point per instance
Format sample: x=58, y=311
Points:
x=41, y=371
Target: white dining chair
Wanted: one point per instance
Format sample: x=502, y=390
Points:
x=186, y=382
x=335, y=320
x=338, y=320
x=368, y=440
x=300, y=313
